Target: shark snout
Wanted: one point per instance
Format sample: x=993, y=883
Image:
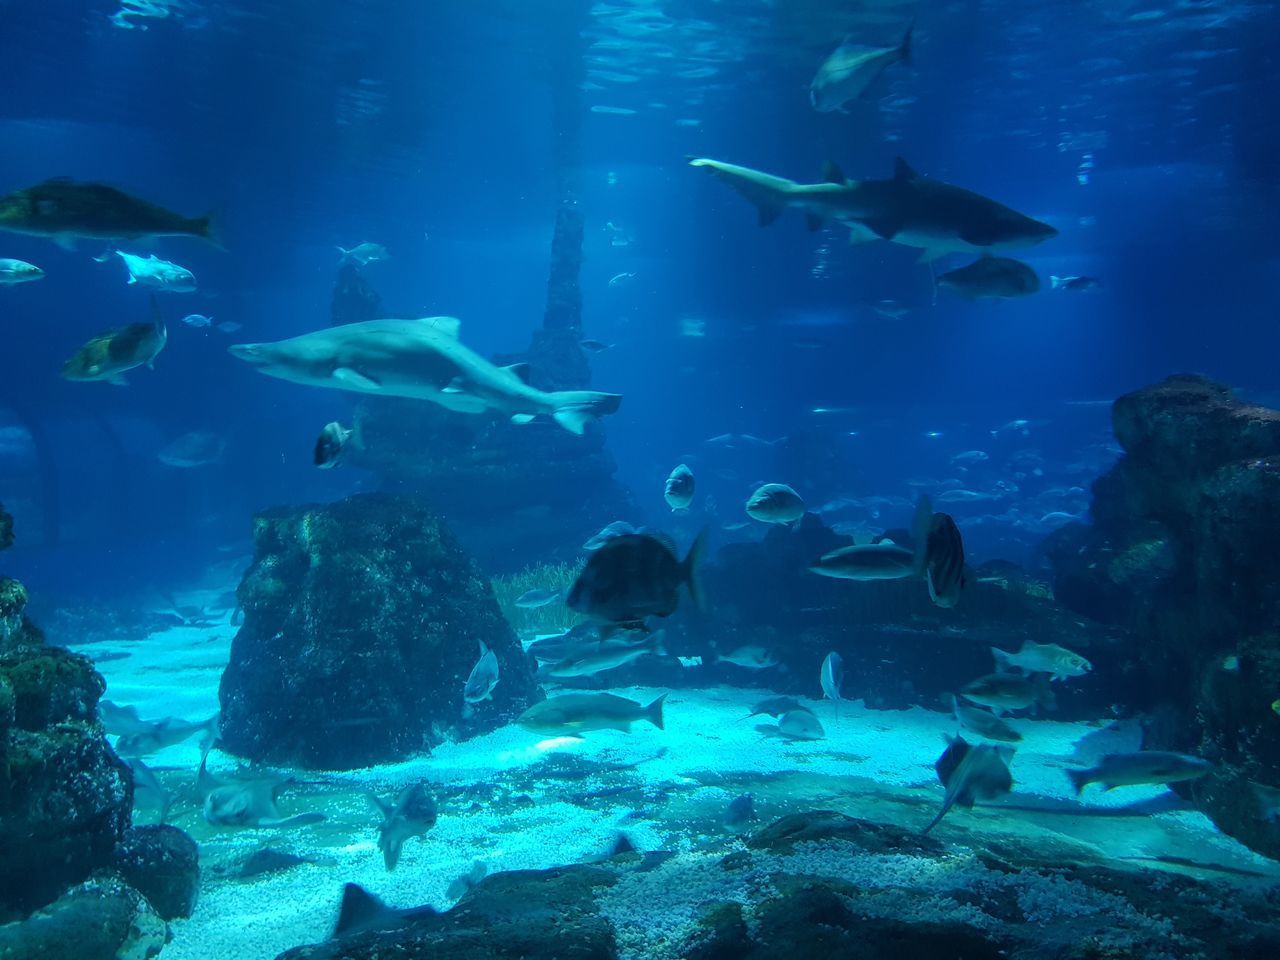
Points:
x=249, y=352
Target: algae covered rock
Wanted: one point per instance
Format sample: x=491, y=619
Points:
x=102, y=919
x=163, y=864
x=362, y=621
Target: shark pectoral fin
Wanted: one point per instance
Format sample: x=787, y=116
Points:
x=884, y=227
x=833, y=174
x=520, y=371
x=132, y=280
x=902, y=170
x=979, y=236
x=453, y=386
x=355, y=379
x=523, y=418
x=573, y=419
x=813, y=221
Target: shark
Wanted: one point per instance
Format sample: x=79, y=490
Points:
x=908, y=209
x=971, y=773
x=245, y=803
x=411, y=815
x=424, y=360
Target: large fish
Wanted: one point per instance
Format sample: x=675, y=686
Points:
x=109, y=355
x=971, y=773
x=999, y=278
x=423, y=360
x=852, y=68
x=935, y=217
x=412, y=814
x=635, y=576
x=63, y=209
x=1143, y=767
x=581, y=712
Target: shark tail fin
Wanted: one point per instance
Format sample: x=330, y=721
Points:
x=946, y=805
x=653, y=712
x=904, y=48
x=206, y=227
x=690, y=570
x=573, y=408
x=768, y=193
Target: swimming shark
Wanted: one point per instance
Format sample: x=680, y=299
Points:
x=971, y=773
x=411, y=815
x=245, y=803
x=424, y=360
x=915, y=211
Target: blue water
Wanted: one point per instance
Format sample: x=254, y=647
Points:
x=1144, y=132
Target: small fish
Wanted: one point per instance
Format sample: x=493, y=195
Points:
x=971, y=773
x=831, y=676
x=618, y=279
x=636, y=576
x=850, y=70
x=1005, y=691
x=775, y=503
x=150, y=736
x=616, y=529
x=774, y=707
x=581, y=712
x=679, y=488
x=984, y=724
x=411, y=815
x=742, y=810
x=467, y=881
x=971, y=457
x=1143, y=767
x=689, y=327
x=1074, y=284
x=158, y=274
x=363, y=254
x=483, y=677
x=890, y=309
x=537, y=597
x=330, y=444
x=798, y=724
x=871, y=561
x=749, y=658
x=595, y=346
x=197, y=320
x=1000, y=278
x=1059, y=662
x=18, y=271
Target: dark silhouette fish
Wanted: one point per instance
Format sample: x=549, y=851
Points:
x=636, y=576
x=63, y=209
x=1000, y=278
x=970, y=774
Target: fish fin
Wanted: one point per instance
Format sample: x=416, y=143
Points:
x=902, y=170
x=445, y=326
x=297, y=820
x=946, y=805
x=1054, y=282
x=66, y=241
x=132, y=280
x=1079, y=779
x=831, y=173
x=575, y=407
x=355, y=378
x=767, y=213
x=904, y=48
x=689, y=569
x=1002, y=659
x=519, y=370
x=813, y=221
x=453, y=386
x=886, y=228
x=862, y=235
x=930, y=254
x=360, y=910
x=653, y=712
x=380, y=805
x=523, y=418
x=206, y=227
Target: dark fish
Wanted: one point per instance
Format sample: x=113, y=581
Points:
x=330, y=444
x=1007, y=691
x=742, y=809
x=362, y=912
x=109, y=355
x=412, y=815
x=984, y=724
x=634, y=576
x=944, y=561
x=64, y=209
x=972, y=773
x=993, y=277
x=774, y=707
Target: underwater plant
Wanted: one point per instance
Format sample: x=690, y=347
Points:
x=553, y=617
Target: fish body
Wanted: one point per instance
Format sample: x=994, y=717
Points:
x=422, y=360
x=678, y=491
x=196, y=449
x=18, y=271
x=537, y=597
x=934, y=217
x=984, y=724
x=245, y=803
x=197, y=320
x=148, y=792
x=999, y=278
x=615, y=529
x=831, y=676
x=110, y=355
x=870, y=561
x=774, y=707
x=944, y=560
x=775, y=503
x=607, y=656
x=634, y=576
x=798, y=724
x=1142, y=767
x=1003, y=692
x=1074, y=284
x=971, y=773
x=1059, y=662
x=63, y=209
x=741, y=810
x=412, y=814
x=150, y=736
x=363, y=254
x=330, y=445
x=157, y=274
x=467, y=881
x=594, y=346
x=749, y=658
x=581, y=712
x=483, y=678
x=850, y=70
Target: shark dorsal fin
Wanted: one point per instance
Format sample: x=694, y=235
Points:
x=519, y=370
x=902, y=170
x=360, y=910
x=831, y=173
x=447, y=326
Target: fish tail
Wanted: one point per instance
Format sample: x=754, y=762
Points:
x=1079, y=779
x=206, y=227
x=946, y=805
x=1054, y=282
x=653, y=712
x=689, y=569
x=1002, y=658
x=573, y=408
x=904, y=48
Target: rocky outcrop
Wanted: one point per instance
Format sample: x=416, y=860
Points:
x=362, y=621
x=6, y=529
x=1182, y=553
x=163, y=864
x=102, y=919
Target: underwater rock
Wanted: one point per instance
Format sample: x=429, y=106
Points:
x=517, y=915
x=361, y=624
x=6, y=529
x=65, y=797
x=782, y=835
x=163, y=864
x=103, y=919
